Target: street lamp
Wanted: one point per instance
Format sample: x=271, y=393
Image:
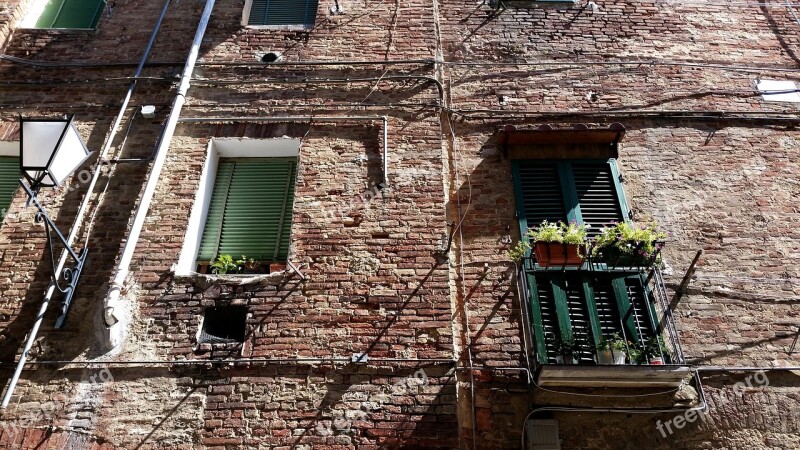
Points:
x=50, y=150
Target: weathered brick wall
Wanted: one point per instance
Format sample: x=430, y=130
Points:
x=722, y=186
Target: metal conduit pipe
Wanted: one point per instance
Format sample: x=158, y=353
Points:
x=385, y=120
x=719, y=114
x=745, y=369
x=111, y=314
x=438, y=83
x=233, y=361
x=668, y=63
x=76, y=226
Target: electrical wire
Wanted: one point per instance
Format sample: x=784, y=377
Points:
x=634, y=62
x=763, y=280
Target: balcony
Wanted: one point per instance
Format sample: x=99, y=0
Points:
x=573, y=311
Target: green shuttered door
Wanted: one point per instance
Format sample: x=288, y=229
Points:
x=251, y=209
x=283, y=12
x=9, y=181
x=71, y=14
x=578, y=305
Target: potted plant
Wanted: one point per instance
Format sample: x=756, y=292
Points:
x=612, y=350
x=518, y=252
x=223, y=265
x=655, y=350
x=629, y=245
x=559, y=244
x=636, y=354
x=250, y=265
x=567, y=351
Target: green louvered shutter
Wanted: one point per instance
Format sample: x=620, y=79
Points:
x=639, y=294
x=606, y=304
x=81, y=14
x=579, y=314
x=283, y=12
x=251, y=209
x=597, y=194
x=541, y=190
x=216, y=210
x=547, y=310
x=9, y=181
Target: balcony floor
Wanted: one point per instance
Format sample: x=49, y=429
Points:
x=612, y=376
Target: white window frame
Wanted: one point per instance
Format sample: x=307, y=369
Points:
x=9, y=148
x=224, y=148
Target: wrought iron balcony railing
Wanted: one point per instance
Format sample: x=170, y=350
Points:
x=570, y=311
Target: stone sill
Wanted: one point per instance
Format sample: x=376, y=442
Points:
x=612, y=375
x=202, y=279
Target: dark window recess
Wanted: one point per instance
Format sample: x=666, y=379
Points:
x=224, y=325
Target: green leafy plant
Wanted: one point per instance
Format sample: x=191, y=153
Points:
x=518, y=251
x=248, y=263
x=224, y=264
x=655, y=347
x=559, y=232
x=630, y=240
x=566, y=346
x=636, y=354
x=613, y=343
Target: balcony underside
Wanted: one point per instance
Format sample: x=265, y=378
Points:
x=612, y=376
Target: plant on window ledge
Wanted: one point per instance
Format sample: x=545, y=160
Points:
x=518, y=251
x=567, y=351
x=250, y=265
x=655, y=351
x=625, y=244
x=224, y=264
x=559, y=244
x=612, y=350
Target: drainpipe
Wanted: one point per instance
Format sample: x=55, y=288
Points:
x=112, y=314
x=76, y=226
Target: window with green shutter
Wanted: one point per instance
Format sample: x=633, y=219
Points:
x=9, y=181
x=71, y=14
x=250, y=212
x=587, y=191
x=283, y=12
x=579, y=305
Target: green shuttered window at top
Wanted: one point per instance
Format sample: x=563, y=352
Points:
x=80, y=14
x=250, y=212
x=587, y=191
x=283, y=12
x=578, y=305
x=9, y=181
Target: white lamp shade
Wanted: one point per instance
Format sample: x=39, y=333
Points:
x=50, y=150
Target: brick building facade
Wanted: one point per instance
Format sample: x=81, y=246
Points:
x=404, y=201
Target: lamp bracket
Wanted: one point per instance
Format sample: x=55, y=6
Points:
x=71, y=275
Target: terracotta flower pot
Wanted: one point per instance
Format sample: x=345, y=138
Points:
x=551, y=254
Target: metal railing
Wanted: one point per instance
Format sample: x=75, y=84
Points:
x=656, y=313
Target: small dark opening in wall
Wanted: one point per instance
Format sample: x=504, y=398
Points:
x=224, y=325
x=270, y=57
